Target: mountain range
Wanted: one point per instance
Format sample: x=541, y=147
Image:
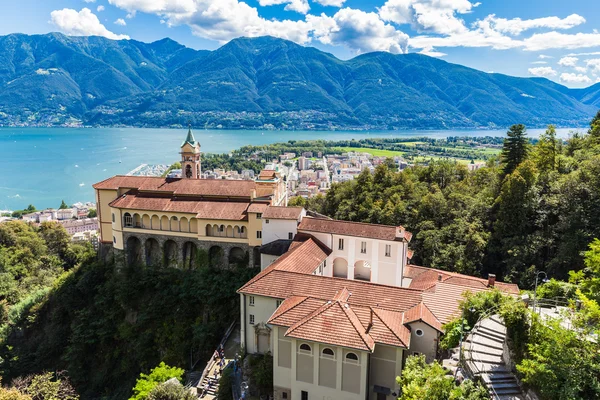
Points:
x=264, y=82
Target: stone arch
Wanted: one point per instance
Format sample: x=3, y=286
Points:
x=209, y=230
x=193, y=225
x=137, y=220
x=229, y=232
x=243, y=232
x=340, y=268
x=127, y=220
x=190, y=254
x=362, y=270
x=174, y=224
x=152, y=252
x=146, y=221
x=222, y=231
x=236, y=232
x=237, y=256
x=165, y=224
x=184, y=224
x=134, y=251
x=170, y=254
x=155, y=222
x=216, y=256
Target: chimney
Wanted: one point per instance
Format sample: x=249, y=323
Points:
x=399, y=232
x=440, y=277
x=491, y=280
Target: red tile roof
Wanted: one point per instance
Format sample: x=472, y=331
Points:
x=234, y=211
x=194, y=187
x=420, y=312
x=359, y=229
x=277, y=212
x=426, y=278
x=267, y=174
x=257, y=208
x=444, y=300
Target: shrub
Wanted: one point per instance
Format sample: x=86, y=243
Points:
x=158, y=375
x=516, y=318
x=170, y=391
x=475, y=305
x=452, y=332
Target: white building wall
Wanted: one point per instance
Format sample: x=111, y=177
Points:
x=262, y=310
x=278, y=229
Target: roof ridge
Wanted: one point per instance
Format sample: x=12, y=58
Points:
x=387, y=325
x=279, y=313
x=310, y=316
x=354, y=222
x=354, y=320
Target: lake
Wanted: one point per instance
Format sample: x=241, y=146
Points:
x=43, y=166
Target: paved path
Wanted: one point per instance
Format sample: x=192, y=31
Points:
x=483, y=356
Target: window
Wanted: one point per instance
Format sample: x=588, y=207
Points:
x=419, y=332
x=321, y=269
x=251, y=300
x=251, y=319
x=416, y=354
x=258, y=216
x=352, y=358
x=303, y=395
x=266, y=221
x=290, y=235
x=341, y=244
x=278, y=303
x=113, y=217
x=328, y=353
x=114, y=240
x=128, y=220
x=243, y=229
x=259, y=234
x=222, y=228
x=304, y=348
x=284, y=395
x=363, y=247
x=388, y=250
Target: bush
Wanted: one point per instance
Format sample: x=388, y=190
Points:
x=452, y=332
x=475, y=305
x=170, y=391
x=555, y=288
x=516, y=318
x=146, y=383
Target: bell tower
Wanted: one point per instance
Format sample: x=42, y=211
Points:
x=190, y=157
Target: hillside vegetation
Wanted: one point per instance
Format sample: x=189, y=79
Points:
x=263, y=82
x=538, y=208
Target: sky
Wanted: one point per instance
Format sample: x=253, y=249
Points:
x=555, y=39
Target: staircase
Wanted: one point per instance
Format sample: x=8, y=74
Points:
x=483, y=350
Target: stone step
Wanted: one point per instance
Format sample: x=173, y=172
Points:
x=478, y=367
x=497, y=377
x=505, y=391
x=484, y=343
x=504, y=386
x=500, y=335
x=485, y=337
x=483, y=357
x=476, y=347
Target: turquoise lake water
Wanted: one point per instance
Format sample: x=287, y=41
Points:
x=42, y=166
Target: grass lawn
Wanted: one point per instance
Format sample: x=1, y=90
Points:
x=373, y=152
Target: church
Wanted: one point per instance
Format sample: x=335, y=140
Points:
x=337, y=303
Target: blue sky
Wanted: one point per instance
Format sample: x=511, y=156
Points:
x=556, y=39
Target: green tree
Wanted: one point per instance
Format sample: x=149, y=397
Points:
x=515, y=149
x=157, y=375
x=594, y=130
x=56, y=237
x=63, y=205
x=171, y=391
x=547, y=150
x=92, y=213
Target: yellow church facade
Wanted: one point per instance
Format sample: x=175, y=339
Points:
x=165, y=221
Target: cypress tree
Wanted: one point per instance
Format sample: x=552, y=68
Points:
x=516, y=148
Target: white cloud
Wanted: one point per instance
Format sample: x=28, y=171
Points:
x=594, y=53
x=358, y=30
x=556, y=40
x=542, y=71
x=332, y=3
x=431, y=52
x=574, y=78
x=594, y=65
x=543, y=56
x=540, y=62
x=82, y=23
x=568, y=61
x=100, y=8
x=516, y=26
x=300, y=6
x=581, y=69
x=121, y=22
x=438, y=16
x=90, y=1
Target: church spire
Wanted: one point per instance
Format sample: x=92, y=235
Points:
x=190, y=157
x=190, y=137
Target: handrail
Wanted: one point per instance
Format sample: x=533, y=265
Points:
x=486, y=314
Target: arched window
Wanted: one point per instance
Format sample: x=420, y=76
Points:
x=328, y=353
x=188, y=171
x=305, y=348
x=243, y=229
x=352, y=357
x=128, y=220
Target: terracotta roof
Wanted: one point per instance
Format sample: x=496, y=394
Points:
x=304, y=257
x=277, y=212
x=383, y=232
x=197, y=187
x=234, y=211
x=445, y=299
x=257, y=208
x=267, y=174
x=420, y=312
x=426, y=278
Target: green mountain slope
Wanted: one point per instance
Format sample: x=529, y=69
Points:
x=54, y=79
